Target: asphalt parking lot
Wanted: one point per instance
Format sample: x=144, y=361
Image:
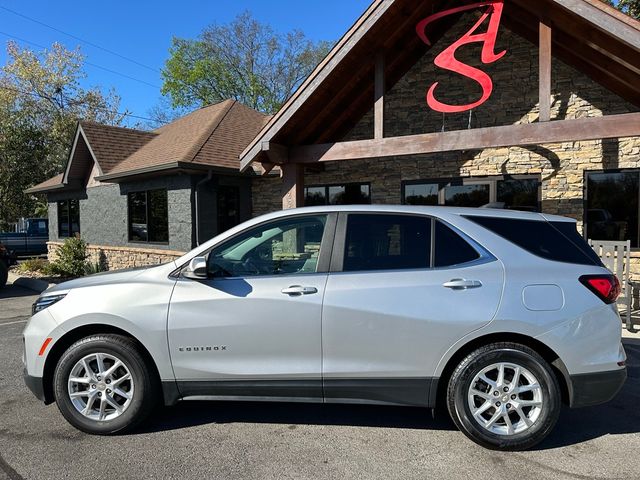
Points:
x=278, y=441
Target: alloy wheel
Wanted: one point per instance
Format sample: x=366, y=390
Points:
x=100, y=386
x=505, y=399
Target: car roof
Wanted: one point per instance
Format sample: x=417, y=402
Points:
x=436, y=211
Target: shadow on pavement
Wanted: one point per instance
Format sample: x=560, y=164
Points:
x=14, y=291
x=190, y=414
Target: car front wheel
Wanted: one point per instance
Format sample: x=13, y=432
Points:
x=504, y=396
x=102, y=386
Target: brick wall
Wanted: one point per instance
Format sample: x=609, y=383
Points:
x=119, y=258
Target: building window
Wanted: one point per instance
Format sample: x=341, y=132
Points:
x=349, y=194
x=228, y=198
x=612, y=206
x=513, y=192
x=148, y=217
x=68, y=218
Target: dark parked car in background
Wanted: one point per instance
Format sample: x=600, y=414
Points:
x=30, y=241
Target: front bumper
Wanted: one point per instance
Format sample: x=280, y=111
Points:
x=36, y=385
x=591, y=389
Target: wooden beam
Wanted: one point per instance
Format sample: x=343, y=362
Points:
x=267, y=168
x=276, y=153
x=379, y=88
x=613, y=126
x=545, y=72
x=292, y=185
x=624, y=31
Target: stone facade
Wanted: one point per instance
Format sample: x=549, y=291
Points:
x=560, y=167
x=119, y=258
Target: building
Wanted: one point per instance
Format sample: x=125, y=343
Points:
x=418, y=104
x=142, y=197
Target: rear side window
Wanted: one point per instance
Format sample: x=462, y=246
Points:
x=387, y=242
x=451, y=249
x=557, y=241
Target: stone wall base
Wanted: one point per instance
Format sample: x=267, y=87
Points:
x=120, y=258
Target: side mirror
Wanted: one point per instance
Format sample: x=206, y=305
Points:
x=197, y=269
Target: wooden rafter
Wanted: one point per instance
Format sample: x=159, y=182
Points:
x=613, y=126
x=545, y=72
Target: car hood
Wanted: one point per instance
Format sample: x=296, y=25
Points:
x=108, y=278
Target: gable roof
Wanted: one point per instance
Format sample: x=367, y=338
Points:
x=588, y=35
x=211, y=137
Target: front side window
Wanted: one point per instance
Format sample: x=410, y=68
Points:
x=148, y=216
x=612, y=206
x=515, y=193
x=285, y=247
x=68, y=218
x=387, y=242
x=348, y=194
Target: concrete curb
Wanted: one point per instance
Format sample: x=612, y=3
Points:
x=34, y=284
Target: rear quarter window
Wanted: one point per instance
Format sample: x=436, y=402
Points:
x=556, y=241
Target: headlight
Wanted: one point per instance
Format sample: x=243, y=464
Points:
x=45, y=302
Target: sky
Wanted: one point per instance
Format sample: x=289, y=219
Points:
x=141, y=30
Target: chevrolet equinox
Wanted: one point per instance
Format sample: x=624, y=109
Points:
x=499, y=316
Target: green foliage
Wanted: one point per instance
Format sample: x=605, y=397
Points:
x=41, y=101
x=39, y=265
x=244, y=60
x=71, y=258
x=93, y=268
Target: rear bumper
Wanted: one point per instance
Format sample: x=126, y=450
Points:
x=596, y=388
x=36, y=386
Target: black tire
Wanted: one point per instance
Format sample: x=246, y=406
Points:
x=519, y=355
x=145, y=395
x=4, y=274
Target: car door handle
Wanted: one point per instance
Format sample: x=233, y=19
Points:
x=462, y=284
x=297, y=290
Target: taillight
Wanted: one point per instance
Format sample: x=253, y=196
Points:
x=606, y=287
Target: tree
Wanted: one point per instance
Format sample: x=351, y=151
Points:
x=244, y=60
x=630, y=7
x=41, y=101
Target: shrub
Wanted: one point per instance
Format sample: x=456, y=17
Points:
x=35, y=265
x=93, y=268
x=72, y=258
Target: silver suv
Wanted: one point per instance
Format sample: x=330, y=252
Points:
x=499, y=316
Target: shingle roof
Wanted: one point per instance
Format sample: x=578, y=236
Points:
x=213, y=136
x=47, y=185
x=112, y=145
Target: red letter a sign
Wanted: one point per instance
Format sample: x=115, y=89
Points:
x=447, y=59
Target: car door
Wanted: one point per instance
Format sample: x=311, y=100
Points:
x=402, y=290
x=253, y=328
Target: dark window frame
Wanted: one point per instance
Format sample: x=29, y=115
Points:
x=585, y=200
x=67, y=203
x=327, y=186
x=491, y=180
x=146, y=200
x=339, y=246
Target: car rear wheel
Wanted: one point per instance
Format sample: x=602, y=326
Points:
x=504, y=396
x=102, y=385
